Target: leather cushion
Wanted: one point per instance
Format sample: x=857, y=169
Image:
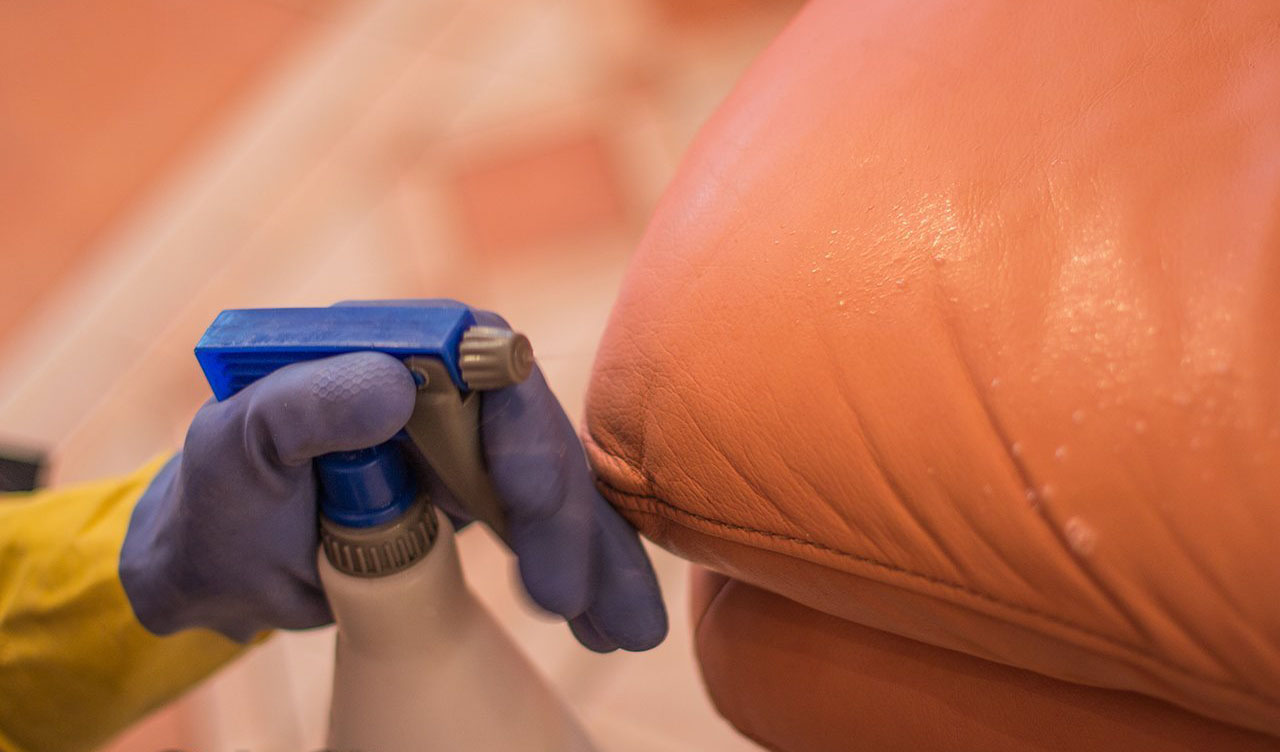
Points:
x=798, y=680
x=962, y=321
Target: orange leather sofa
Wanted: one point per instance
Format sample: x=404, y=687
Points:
x=953, y=355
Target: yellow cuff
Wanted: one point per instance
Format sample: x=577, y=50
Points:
x=76, y=667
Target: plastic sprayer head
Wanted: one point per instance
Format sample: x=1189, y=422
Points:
x=491, y=358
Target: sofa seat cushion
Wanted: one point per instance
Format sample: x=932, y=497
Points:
x=961, y=322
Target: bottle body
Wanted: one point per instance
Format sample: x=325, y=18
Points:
x=422, y=666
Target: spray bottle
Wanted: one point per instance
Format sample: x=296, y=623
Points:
x=420, y=665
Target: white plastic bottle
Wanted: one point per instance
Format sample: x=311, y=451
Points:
x=422, y=666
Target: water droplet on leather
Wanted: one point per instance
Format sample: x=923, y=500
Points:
x=1080, y=536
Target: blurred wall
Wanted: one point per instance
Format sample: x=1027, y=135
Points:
x=161, y=161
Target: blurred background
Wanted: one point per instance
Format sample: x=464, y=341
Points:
x=161, y=161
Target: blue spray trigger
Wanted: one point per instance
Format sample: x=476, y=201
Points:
x=242, y=346
x=452, y=359
x=367, y=487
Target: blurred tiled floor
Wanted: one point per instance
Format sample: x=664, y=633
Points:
x=506, y=154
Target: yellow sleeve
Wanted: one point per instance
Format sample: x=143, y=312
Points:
x=75, y=665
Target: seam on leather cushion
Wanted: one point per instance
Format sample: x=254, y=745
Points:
x=656, y=506
x=623, y=475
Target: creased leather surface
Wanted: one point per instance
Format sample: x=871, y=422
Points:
x=972, y=309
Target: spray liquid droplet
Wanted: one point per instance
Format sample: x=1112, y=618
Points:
x=1080, y=536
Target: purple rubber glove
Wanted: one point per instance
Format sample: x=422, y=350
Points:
x=577, y=556
x=226, y=535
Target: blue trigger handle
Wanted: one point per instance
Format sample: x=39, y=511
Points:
x=362, y=488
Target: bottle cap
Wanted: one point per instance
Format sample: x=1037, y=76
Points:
x=380, y=550
x=366, y=487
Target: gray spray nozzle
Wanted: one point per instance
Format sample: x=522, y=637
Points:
x=491, y=357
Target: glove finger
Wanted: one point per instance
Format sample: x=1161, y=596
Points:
x=539, y=471
x=300, y=608
x=590, y=637
x=627, y=604
x=554, y=559
x=346, y=402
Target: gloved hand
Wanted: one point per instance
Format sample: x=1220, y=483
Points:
x=226, y=535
